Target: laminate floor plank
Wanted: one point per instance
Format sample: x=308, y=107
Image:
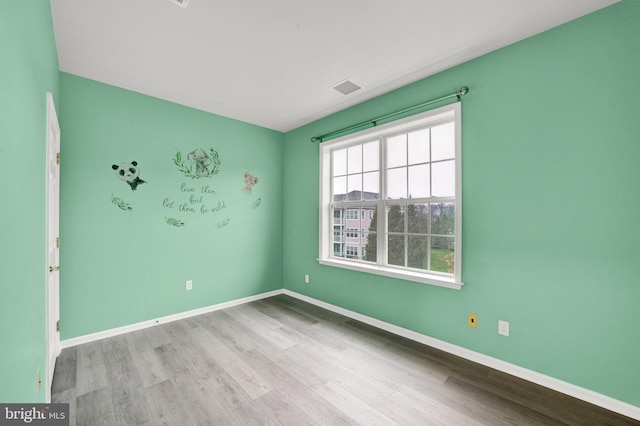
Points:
x=298, y=393
x=262, y=329
x=358, y=410
x=221, y=325
x=253, y=316
x=167, y=405
x=380, y=396
x=315, y=312
x=131, y=407
x=201, y=401
x=352, y=338
x=501, y=411
x=303, y=324
x=248, y=379
x=91, y=372
x=279, y=408
x=284, y=313
x=145, y=358
x=67, y=396
x=440, y=360
x=187, y=360
x=155, y=335
x=95, y=408
x=281, y=361
x=66, y=363
x=546, y=401
x=121, y=370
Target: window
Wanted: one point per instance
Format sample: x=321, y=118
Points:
x=396, y=188
x=352, y=214
x=352, y=233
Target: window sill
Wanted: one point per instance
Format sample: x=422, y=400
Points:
x=394, y=273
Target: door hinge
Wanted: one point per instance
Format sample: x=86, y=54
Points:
x=58, y=242
x=58, y=158
x=58, y=326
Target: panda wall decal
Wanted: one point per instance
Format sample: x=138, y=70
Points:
x=129, y=173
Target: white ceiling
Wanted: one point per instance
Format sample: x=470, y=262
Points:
x=273, y=62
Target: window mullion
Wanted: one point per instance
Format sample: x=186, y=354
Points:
x=429, y=237
x=381, y=256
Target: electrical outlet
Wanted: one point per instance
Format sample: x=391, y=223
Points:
x=188, y=285
x=472, y=320
x=306, y=278
x=503, y=327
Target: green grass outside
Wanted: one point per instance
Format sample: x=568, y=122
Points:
x=438, y=262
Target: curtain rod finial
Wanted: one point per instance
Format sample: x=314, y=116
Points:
x=463, y=91
x=315, y=139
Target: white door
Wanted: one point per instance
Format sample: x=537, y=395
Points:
x=53, y=241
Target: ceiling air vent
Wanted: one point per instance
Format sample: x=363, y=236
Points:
x=346, y=87
x=182, y=3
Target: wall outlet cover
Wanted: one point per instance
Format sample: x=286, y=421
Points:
x=503, y=327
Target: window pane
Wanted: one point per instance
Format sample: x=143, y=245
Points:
x=371, y=186
x=338, y=217
x=443, y=177
x=442, y=254
x=417, y=252
x=370, y=156
x=397, y=151
x=419, y=181
x=340, y=162
x=339, y=188
x=397, y=183
x=395, y=250
x=419, y=146
x=354, y=159
x=370, y=251
x=443, y=142
x=370, y=221
x=418, y=218
x=354, y=187
x=395, y=218
x=443, y=218
x=352, y=233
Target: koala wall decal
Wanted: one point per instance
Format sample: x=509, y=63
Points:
x=129, y=173
x=249, y=182
x=202, y=161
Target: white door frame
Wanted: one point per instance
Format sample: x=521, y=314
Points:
x=53, y=242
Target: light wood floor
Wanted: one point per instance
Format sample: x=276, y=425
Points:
x=283, y=361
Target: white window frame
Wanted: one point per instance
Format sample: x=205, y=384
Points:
x=325, y=226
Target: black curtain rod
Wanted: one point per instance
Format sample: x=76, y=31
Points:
x=374, y=121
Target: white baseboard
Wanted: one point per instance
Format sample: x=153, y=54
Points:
x=162, y=320
x=497, y=364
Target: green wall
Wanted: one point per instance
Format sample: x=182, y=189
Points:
x=550, y=207
x=120, y=267
x=28, y=70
